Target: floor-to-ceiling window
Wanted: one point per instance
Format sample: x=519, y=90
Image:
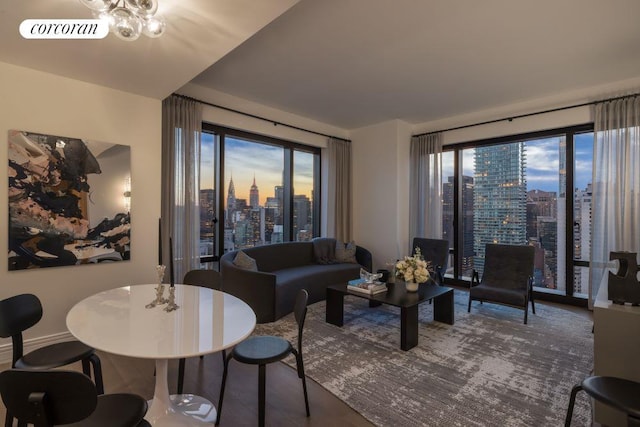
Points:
x=517, y=190
x=255, y=190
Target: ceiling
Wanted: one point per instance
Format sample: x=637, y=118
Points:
x=351, y=63
x=199, y=32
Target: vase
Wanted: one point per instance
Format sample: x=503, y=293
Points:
x=411, y=286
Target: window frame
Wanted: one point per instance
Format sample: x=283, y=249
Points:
x=571, y=262
x=220, y=133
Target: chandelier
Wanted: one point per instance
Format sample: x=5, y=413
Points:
x=128, y=18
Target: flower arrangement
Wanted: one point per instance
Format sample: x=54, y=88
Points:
x=413, y=268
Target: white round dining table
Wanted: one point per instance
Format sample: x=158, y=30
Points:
x=116, y=321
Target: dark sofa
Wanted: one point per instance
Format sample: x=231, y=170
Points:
x=284, y=269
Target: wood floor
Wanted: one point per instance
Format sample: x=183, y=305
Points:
x=284, y=402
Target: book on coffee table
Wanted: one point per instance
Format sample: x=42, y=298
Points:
x=367, y=288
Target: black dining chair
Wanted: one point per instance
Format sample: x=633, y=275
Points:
x=262, y=350
x=209, y=279
x=58, y=397
x=19, y=313
x=619, y=393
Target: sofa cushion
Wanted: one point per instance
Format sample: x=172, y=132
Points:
x=346, y=252
x=243, y=260
x=324, y=250
x=314, y=278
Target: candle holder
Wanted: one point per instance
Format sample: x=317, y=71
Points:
x=159, y=289
x=171, y=303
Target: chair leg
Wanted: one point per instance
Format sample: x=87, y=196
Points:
x=224, y=382
x=469, y=307
x=533, y=305
x=572, y=401
x=87, y=364
x=262, y=374
x=303, y=377
x=181, y=364
x=8, y=420
x=97, y=372
x=526, y=312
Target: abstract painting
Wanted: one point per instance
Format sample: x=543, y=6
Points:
x=69, y=201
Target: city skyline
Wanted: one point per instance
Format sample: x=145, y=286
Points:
x=543, y=162
x=245, y=159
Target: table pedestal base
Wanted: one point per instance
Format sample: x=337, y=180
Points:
x=178, y=409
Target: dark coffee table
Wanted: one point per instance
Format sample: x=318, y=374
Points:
x=397, y=296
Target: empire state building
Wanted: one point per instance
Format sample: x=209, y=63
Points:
x=254, y=197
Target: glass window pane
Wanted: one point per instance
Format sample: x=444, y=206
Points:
x=546, y=211
x=448, y=203
x=253, y=217
x=303, y=196
x=583, y=174
x=208, y=214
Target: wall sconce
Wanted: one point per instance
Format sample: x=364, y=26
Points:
x=127, y=194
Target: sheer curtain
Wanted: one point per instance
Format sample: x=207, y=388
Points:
x=616, y=190
x=425, y=187
x=181, y=127
x=339, y=189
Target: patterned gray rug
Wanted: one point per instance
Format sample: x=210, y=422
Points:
x=489, y=369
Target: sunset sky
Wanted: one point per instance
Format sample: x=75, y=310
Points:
x=243, y=159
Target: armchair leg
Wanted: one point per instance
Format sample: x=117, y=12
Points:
x=572, y=401
x=533, y=305
x=469, y=307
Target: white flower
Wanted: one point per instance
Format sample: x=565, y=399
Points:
x=413, y=268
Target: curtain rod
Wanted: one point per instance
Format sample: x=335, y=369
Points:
x=275, y=123
x=510, y=118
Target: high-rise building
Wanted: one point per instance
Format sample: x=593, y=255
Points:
x=539, y=203
x=467, y=220
x=301, y=215
x=582, y=237
x=500, y=198
x=231, y=203
x=254, y=196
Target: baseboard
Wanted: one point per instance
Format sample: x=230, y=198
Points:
x=6, y=350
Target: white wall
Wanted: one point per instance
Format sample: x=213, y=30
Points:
x=45, y=103
x=381, y=189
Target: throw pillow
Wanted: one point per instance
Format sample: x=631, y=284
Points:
x=324, y=250
x=346, y=253
x=242, y=260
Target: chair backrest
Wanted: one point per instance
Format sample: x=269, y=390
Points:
x=207, y=278
x=508, y=266
x=48, y=398
x=300, y=313
x=434, y=250
x=18, y=313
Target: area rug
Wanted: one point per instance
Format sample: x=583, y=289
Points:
x=489, y=369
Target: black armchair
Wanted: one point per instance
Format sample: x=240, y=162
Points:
x=507, y=278
x=436, y=251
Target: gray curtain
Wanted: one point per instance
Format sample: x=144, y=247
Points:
x=425, y=187
x=181, y=127
x=615, y=205
x=339, y=189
